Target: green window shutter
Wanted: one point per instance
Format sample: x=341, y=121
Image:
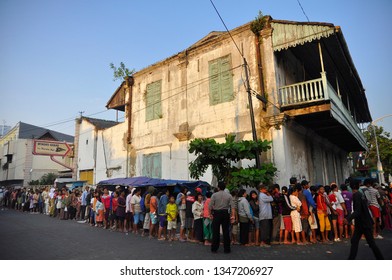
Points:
x=157, y=100
x=152, y=165
x=221, y=80
x=226, y=81
x=215, y=96
x=153, y=101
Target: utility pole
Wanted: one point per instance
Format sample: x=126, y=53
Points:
x=380, y=172
x=252, y=116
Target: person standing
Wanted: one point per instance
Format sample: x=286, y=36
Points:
x=120, y=212
x=374, y=200
x=348, y=199
x=83, y=204
x=295, y=214
x=363, y=225
x=106, y=199
x=207, y=223
x=163, y=201
x=254, y=204
x=221, y=205
x=197, y=210
x=322, y=213
x=244, y=216
x=172, y=213
x=265, y=216
x=136, y=210
x=128, y=223
x=181, y=204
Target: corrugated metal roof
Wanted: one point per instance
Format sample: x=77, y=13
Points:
x=99, y=123
x=28, y=131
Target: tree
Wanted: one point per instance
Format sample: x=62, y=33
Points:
x=121, y=72
x=222, y=156
x=384, y=142
x=48, y=179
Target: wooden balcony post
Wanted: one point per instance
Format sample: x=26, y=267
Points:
x=323, y=73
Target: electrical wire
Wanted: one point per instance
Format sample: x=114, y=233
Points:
x=224, y=24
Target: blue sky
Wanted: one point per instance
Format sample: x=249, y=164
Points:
x=55, y=54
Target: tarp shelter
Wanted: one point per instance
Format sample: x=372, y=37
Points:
x=156, y=183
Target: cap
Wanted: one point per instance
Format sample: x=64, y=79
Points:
x=188, y=193
x=117, y=187
x=198, y=190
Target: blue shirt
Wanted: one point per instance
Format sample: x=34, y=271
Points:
x=265, y=211
x=84, y=196
x=163, y=201
x=309, y=199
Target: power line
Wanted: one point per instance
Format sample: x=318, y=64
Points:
x=216, y=10
x=303, y=11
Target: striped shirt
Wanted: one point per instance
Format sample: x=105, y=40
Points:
x=372, y=195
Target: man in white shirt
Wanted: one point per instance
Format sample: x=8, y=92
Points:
x=340, y=209
x=136, y=209
x=128, y=211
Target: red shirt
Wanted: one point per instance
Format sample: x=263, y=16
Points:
x=114, y=204
x=321, y=204
x=106, y=201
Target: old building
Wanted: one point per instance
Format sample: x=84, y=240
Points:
x=19, y=165
x=99, y=150
x=315, y=101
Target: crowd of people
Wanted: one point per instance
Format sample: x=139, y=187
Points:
x=298, y=214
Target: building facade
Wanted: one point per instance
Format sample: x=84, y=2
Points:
x=313, y=102
x=19, y=165
x=101, y=152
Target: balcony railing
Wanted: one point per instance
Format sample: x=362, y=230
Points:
x=302, y=93
x=316, y=91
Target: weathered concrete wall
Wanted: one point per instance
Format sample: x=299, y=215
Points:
x=87, y=147
x=299, y=152
x=185, y=100
x=104, y=151
x=112, y=152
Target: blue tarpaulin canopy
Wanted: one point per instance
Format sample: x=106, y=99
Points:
x=157, y=183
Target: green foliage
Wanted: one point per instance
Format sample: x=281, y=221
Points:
x=252, y=176
x=48, y=179
x=34, y=183
x=221, y=156
x=258, y=24
x=385, y=149
x=121, y=72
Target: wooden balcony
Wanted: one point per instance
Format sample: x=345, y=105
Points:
x=316, y=104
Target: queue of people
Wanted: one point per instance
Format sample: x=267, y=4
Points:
x=297, y=214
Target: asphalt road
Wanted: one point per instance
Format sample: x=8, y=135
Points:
x=25, y=236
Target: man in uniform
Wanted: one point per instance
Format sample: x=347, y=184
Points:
x=221, y=206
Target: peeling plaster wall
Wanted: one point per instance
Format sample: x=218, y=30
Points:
x=185, y=99
x=299, y=152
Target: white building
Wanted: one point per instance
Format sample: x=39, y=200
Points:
x=311, y=118
x=18, y=164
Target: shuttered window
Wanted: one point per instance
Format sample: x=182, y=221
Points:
x=221, y=80
x=87, y=175
x=152, y=165
x=153, y=101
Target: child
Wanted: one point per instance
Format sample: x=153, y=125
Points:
x=207, y=223
x=99, y=210
x=172, y=212
x=197, y=210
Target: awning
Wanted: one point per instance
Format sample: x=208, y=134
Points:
x=157, y=183
x=287, y=34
